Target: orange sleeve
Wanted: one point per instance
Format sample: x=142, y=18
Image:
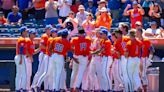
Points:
x=97, y=23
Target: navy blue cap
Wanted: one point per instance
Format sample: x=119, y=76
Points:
x=64, y=32
x=153, y=23
x=58, y=26
x=22, y=29
x=135, y=2
x=104, y=31
x=48, y=27
x=32, y=31
x=53, y=30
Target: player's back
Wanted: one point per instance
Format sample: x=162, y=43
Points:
x=81, y=45
x=30, y=46
x=61, y=45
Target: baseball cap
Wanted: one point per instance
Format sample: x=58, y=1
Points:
x=48, y=27
x=117, y=31
x=102, y=1
x=53, y=30
x=138, y=23
x=104, y=31
x=22, y=29
x=32, y=31
x=81, y=7
x=135, y=2
x=102, y=27
x=153, y=23
x=90, y=0
x=58, y=26
x=64, y=32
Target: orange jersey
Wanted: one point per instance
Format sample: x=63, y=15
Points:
x=115, y=53
x=135, y=15
x=43, y=41
x=40, y=4
x=104, y=21
x=21, y=43
x=134, y=48
x=146, y=44
x=120, y=44
x=30, y=46
x=49, y=42
x=81, y=45
x=106, y=45
x=61, y=46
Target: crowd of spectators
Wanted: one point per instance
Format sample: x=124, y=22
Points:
x=87, y=13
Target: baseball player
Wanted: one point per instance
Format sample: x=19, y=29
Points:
x=20, y=80
x=95, y=74
x=120, y=49
x=60, y=47
x=146, y=57
x=29, y=56
x=43, y=65
x=133, y=52
x=106, y=59
x=50, y=76
x=116, y=65
x=81, y=47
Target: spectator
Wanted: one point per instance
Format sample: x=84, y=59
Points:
x=146, y=4
x=114, y=6
x=90, y=8
x=102, y=3
x=71, y=18
x=135, y=14
x=2, y=19
x=153, y=31
x=39, y=6
x=81, y=15
x=124, y=28
x=25, y=6
x=89, y=24
x=161, y=4
x=14, y=17
x=104, y=19
x=51, y=12
x=75, y=5
x=155, y=13
x=64, y=8
x=7, y=6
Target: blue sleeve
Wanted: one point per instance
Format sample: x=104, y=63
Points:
x=9, y=16
x=21, y=49
x=70, y=54
x=20, y=15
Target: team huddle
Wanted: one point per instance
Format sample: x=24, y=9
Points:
x=97, y=62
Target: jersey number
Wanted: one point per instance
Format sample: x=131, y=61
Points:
x=83, y=46
x=59, y=47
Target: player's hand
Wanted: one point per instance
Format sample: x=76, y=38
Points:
x=70, y=65
x=76, y=60
x=20, y=62
x=31, y=59
x=128, y=6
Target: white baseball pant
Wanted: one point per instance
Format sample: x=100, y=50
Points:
x=50, y=76
x=63, y=80
x=125, y=78
x=73, y=74
x=29, y=72
x=145, y=65
x=133, y=64
x=40, y=69
x=59, y=66
x=106, y=63
x=44, y=72
x=20, y=80
x=95, y=74
x=86, y=80
x=116, y=72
